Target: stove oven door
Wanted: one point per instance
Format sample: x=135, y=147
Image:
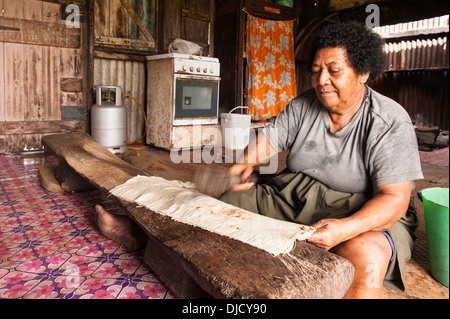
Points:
x=196, y=100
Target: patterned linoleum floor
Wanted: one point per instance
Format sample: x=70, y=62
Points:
x=50, y=246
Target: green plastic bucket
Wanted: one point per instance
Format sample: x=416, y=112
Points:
x=435, y=206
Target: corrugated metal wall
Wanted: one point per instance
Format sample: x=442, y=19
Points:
x=130, y=76
x=423, y=93
x=417, y=54
x=417, y=70
x=416, y=45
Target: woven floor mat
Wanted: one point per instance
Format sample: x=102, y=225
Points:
x=419, y=285
x=419, y=282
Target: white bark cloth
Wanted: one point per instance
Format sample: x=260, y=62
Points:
x=183, y=203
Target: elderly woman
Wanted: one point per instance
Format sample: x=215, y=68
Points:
x=353, y=157
x=352, y=161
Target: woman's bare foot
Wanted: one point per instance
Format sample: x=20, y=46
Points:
x=120, y=229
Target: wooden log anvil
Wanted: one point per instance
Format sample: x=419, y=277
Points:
x=193, y=262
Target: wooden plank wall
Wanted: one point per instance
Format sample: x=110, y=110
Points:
x=41, y=74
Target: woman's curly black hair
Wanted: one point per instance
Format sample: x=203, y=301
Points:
x=364, y=47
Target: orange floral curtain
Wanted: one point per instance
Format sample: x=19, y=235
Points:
x=270, y=66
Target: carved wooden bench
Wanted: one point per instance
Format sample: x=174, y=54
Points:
x=193, y=262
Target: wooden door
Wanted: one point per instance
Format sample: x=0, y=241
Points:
x=125, y=24
x=42, y=73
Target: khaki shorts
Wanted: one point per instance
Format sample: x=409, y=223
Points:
x=298, y=198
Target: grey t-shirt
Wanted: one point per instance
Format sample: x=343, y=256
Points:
x=377, y=147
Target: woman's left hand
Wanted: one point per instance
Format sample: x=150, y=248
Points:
x=329, y=233
x=387, y=206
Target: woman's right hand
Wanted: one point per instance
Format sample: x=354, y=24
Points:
x=257, y=152
x=245, y=171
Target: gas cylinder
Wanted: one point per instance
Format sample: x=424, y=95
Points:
x=109, y=118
